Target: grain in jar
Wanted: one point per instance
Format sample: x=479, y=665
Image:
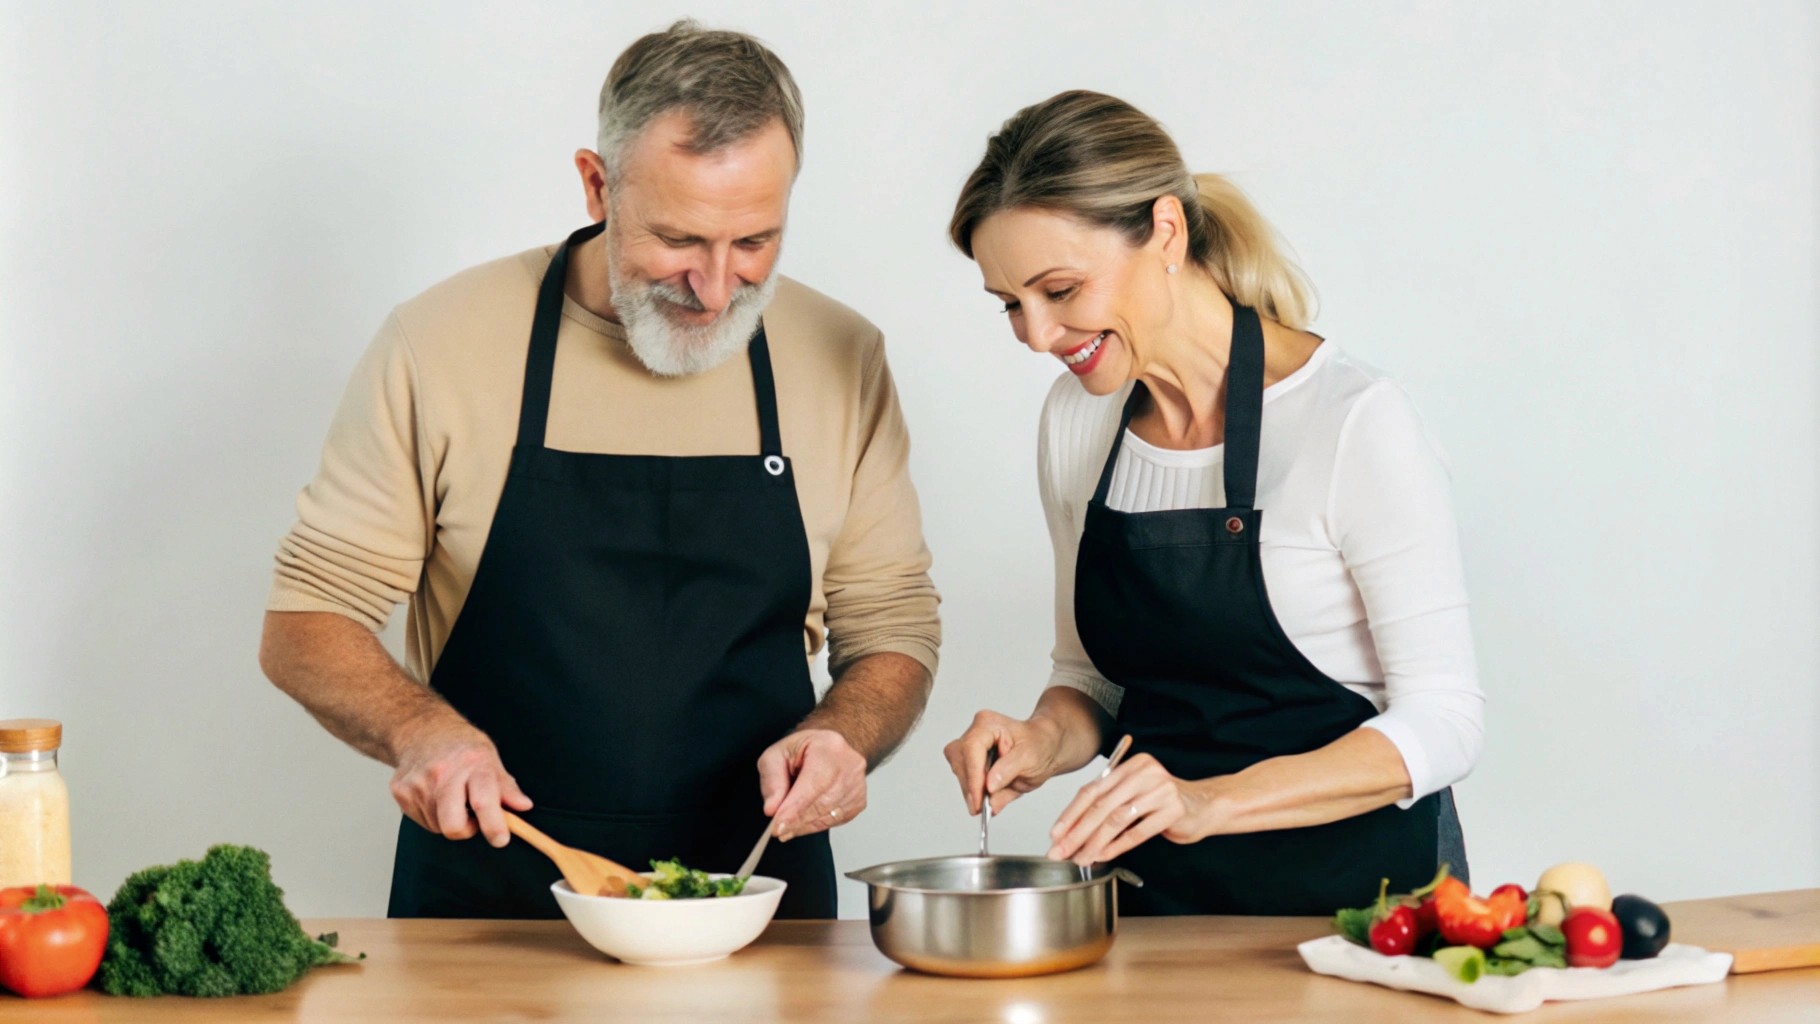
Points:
x=34, y=805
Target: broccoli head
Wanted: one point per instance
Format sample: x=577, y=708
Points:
x=214, y=927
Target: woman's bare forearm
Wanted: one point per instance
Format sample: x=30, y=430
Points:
x=1359, y=772
x=1078, y=723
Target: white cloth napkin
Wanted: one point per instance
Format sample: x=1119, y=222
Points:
x=1675, y=966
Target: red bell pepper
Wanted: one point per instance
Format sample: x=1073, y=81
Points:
x=1467, y=920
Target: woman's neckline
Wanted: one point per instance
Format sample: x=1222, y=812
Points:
x=1193, y=457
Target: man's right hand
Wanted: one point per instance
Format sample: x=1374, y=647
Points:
x=1028, y=755
x=447, y=770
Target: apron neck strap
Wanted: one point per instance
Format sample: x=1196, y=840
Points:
x=540, y=360
x=764, y=388
x=1244, y=414
x=1138, y=391
x=1244, y=407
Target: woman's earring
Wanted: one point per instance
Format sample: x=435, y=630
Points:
x=1170, y=268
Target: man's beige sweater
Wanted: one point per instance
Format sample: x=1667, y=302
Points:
x=417, y=456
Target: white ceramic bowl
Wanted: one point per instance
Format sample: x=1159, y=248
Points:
x=671, y=933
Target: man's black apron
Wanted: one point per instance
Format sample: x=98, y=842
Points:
x=632, y=642
x=1171, y=606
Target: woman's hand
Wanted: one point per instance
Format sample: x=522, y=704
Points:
x=1027, y=757
x=1138, y=801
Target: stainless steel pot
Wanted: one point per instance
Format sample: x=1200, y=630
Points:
x=993, y=917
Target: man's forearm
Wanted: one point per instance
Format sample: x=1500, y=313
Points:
x=874, y=704
x=342, y=676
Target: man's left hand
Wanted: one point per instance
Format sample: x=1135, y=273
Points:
x=812, y=780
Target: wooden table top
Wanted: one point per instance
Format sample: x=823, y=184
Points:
x=1161, y=970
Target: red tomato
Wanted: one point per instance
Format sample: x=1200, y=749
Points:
x=51, y=939
x=1593, y=937
x=1395, y=933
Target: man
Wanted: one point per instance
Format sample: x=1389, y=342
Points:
x=623, y=540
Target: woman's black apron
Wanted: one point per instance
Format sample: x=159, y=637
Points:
x=1171, y=606
x=632, y=642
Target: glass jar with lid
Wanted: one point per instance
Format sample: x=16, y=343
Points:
x=34, y=805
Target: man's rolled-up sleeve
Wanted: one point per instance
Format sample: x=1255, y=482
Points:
x=364, y=522
x=880, y=596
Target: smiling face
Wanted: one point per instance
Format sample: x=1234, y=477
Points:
x=1079, y=292
x=693, y=239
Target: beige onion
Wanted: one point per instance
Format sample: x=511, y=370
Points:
x=1567, y=886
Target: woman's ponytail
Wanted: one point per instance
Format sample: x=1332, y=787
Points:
x=1245, y=255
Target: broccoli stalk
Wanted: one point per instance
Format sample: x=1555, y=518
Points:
x=214, y=927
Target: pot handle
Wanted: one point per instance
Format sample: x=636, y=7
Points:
x=1127, y=876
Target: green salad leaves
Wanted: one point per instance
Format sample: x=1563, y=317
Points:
x=675, y=882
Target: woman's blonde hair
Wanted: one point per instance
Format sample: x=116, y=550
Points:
x=1101, y=160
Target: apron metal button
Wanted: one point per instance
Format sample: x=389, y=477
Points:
x=1235, y=525
x=774, y=465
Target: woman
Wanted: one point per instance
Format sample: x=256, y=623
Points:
x=1300, y=687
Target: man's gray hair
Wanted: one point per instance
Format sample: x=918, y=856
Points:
x=730, y=83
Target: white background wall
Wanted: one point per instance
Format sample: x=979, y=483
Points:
x=1584, y=235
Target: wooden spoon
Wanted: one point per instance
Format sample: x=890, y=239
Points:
x=588, y=873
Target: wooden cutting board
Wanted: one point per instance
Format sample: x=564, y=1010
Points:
x=1764, y=931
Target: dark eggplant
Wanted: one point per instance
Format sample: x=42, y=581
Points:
x=1644, y=924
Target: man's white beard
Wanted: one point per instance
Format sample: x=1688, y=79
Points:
x=670, y=349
